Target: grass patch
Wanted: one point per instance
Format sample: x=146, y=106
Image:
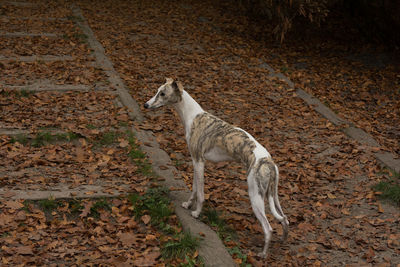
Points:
x=134, y=152
x=74, y=18
x=192, y=262
x=100, y=204
x=17, y=93
x=123, y=124
x=90, y=127
x=139, y=157
x=155, y=203
x=213, y=218
x=23, y=93
x=48, y=204
x=390, y=189
x=5, y=93
x=75, y=206
x=107, y=138
x=236, y=251
x=43, y=138
x=5, y=234
x=178, y=163
x=83, y=38
x=19, y=138
x=184, y=245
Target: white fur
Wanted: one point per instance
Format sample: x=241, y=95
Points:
x=217, y=155
x=188, y=109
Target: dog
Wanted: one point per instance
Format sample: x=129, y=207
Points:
x=210, y=138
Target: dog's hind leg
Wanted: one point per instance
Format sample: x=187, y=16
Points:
x=284, y=221
x=199, y=174
x=257, y=203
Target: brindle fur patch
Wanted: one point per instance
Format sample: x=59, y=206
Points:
x=208, y=131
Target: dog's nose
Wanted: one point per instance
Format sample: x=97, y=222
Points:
x=146, y=105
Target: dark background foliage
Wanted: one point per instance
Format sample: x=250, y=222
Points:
x=374, y=20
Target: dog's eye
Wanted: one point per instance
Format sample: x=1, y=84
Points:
x=162, y=94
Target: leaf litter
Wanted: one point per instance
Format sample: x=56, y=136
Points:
x=326, y=178
x=67, y=140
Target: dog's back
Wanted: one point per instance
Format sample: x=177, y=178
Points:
x=208, y=132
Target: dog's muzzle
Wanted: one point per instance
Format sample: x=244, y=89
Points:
x=146, y=105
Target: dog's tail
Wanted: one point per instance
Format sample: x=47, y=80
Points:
x=272, y=193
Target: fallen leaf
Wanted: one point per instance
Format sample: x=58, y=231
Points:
x=146, y=218
x=24, y=250
x=14, y=204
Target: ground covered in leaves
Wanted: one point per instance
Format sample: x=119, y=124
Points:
x=60, y=140
x=326, y=178
x=52, y=138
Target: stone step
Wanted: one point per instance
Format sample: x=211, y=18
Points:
x=62, y=191
x=20, y=4
x=37, y=58
x=26, y=34
x=33, y=18
x=36, y=87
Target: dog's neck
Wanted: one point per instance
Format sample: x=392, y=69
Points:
x=187, y=109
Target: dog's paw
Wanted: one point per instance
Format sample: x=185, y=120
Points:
x=186, y=205
x=195, y=214
x=262, y=255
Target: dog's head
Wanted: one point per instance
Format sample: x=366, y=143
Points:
x=168, y=94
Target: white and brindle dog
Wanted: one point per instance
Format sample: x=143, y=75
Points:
x=210, y=138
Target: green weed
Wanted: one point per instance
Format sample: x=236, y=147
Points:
x=81, y=37
x=74, y=18
x=189, y=262
x=284, y=69
x=90, y=126
x=178, y=163
x=155, y=203
x=20, y=138
x=224, y=231
x=236, y=251
x=23, y=93
x=5, y=93
x=101, y=204
x=48, y=204
x=390, y=189
x=5, y=234
x=123, y=124
x=26, y=207
x=108, y=138
x=42, y=138
x=75, y=206
x=213, y=218
x=139, y=157
x=186, y=244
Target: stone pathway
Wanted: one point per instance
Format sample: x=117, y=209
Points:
x=326, y=177
x=92, y=98
x=97, y=103
x=388, y=159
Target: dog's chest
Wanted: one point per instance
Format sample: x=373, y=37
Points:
x=219, y=140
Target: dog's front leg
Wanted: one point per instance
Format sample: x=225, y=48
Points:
x=188, y=204
x=199, y=174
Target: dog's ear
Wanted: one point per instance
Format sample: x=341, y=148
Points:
x=177, y=85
